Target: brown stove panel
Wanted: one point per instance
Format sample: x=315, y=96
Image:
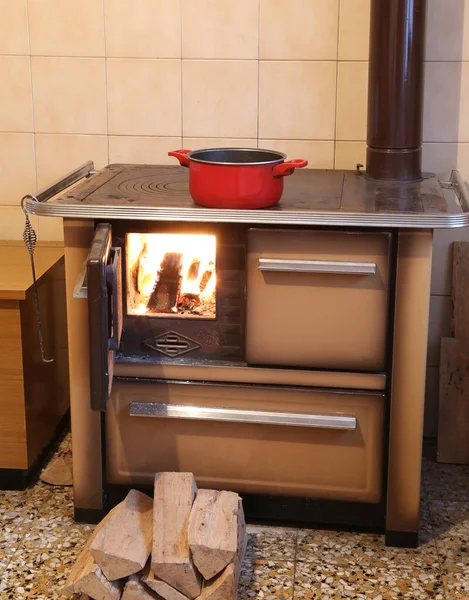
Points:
x=317, y=299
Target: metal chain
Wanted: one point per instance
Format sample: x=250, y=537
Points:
x=30, y=241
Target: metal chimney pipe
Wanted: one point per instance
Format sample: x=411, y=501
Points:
x=395, y=90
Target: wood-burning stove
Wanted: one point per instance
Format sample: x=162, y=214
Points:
x=300, y=381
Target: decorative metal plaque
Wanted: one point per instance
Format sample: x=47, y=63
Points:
x=172, y=344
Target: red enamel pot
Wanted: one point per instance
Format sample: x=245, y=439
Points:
x=236, y=177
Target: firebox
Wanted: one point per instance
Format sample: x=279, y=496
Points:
x=169, y=293
x=171, y=275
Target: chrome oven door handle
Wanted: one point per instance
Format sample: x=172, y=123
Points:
x=232, y=415
x=317, y=266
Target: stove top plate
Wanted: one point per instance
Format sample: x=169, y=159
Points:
x=311, y=197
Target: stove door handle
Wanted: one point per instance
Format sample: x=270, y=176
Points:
x=317, y=266
x=236, y=415
x=114, y=279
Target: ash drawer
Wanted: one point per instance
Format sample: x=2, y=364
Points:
x=317, y=299
x=328, y=445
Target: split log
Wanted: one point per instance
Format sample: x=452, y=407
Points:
x=171, y=558
x=213, y=531
x=135, y=590
x=205, y=279
x=460, y=290
x=87, y=578
x=58, y=471
x=165, y=295
x=225, y=585
x=193, y=272
x=160, y=587
x=123, y=544
x=453, y=410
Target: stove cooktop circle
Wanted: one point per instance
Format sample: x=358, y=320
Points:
x=147, y=185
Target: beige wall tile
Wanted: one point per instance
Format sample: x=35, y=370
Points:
x=430, y=426
x=16, y=107
x=352, y=101
x=447, y=30
x=12, y=223
x=144, y=97
x=439, y=158
x=57, y=154
x=219, y=98
x=148, y=150
x=220, y=30
x=17, y=167
x=439, y=326
x=299, y=29
x=463, y=130
x=61, y=28
x=463, y=159
x=203, y=143
x=143, y=28
x=297, y=100
x=50, y=229
x=69, y=95
x=445, y=102
x=349, y=154
x=14, y=35
x=320, y=155
x=442, y=158
x=354, y=29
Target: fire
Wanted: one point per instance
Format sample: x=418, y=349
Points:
x=171, y=274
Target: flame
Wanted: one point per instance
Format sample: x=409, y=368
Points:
x=198, y=263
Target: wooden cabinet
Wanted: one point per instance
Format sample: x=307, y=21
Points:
x=34, y=396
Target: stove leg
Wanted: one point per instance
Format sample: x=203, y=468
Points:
x=408, y=386
x=86, y=424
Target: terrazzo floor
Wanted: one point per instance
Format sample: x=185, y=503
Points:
x=39, y=542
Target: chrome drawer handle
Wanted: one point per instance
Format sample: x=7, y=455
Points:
x=232, y=415
x=317, y=266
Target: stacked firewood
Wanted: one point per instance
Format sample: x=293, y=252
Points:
x=182, y=544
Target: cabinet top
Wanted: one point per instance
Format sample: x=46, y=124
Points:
x=15, y=267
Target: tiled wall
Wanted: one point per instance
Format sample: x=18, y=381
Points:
x=128, y=80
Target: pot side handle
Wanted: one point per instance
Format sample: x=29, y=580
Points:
x=181, y=155
x=287, y=168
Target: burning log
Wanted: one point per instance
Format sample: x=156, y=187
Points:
x=165, y=295
x=193, y=272
x=205, y=279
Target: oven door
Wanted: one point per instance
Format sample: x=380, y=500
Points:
x=104, y=276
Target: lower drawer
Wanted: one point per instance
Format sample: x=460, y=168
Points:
x=302, y=453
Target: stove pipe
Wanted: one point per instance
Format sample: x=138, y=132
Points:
x=395, y=90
